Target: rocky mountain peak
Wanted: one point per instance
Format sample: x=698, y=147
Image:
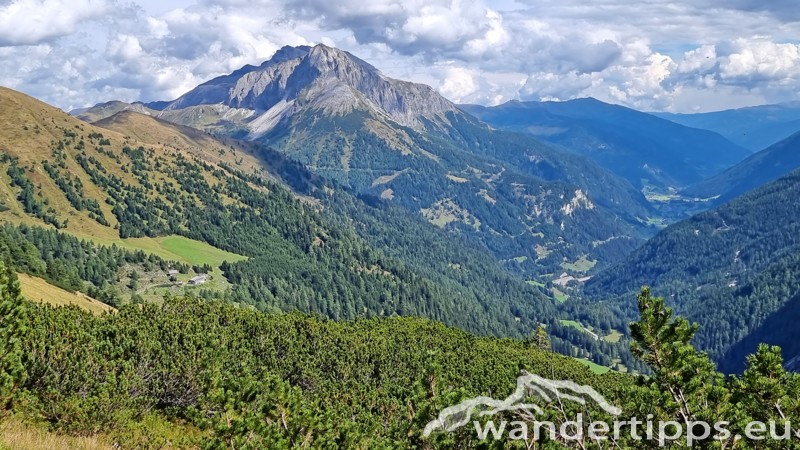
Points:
x=286, y=53
x=332, y=60
x=321, y=78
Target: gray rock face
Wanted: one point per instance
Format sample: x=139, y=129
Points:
x=321, y=78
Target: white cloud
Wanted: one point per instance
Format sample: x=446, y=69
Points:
x=659, y=54
x=31, y=22
x=459, y=84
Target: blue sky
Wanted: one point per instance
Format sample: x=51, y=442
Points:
x=653, y=55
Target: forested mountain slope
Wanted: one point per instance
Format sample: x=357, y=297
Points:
x=644, y=149
x=735, y=270
x=315, y=248
x=403, y=142
x=754, y=128
x=757, y=170
x=449, y=261
x=195, y=374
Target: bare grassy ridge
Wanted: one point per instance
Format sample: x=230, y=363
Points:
x=38, y=290
x=30, y=128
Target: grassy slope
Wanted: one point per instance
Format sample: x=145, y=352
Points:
x=212, y=149
x=174, y=248
x=581, y=265
x=29, y=127
x=613, y=337
x=596, y=368
x=573, y=324
x=149, y=432
x=38, y=290
x=14, y=435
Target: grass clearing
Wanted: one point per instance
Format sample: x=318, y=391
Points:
x=573, y=324
x=520, y=259
x=581, y=265
x=14, y=435
x=386, y=178
x=596, y=368
x=560, y=296
x=196, y=252
x=535, y=283
x=174, y=248
x=613, y=337
x=38, y=290
x=456, y=179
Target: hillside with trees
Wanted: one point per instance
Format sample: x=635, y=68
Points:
x=757, y=170
x=204, y=374
x=734, y=270
x=646, y=150
x=299, y=242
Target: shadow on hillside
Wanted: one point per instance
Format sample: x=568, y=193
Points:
x=780, y=328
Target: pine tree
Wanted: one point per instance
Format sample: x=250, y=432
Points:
x=12, y=328
x=541, y=340
x=685, y=386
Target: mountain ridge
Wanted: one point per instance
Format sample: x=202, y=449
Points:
x=753, y=127
x=760, y=168
x=318, y=77
x=644, y=149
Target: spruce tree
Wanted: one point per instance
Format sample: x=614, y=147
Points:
x=12, y=328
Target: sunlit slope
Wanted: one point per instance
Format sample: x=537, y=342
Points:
x=38, y=290
x=34, y=132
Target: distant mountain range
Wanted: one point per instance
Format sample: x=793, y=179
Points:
x=535, y=207
x=646, y=150
x=757, y=170
x=754, y=128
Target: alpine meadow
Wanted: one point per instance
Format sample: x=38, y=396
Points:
x=461, y=224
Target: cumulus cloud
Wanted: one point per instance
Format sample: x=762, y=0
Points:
x=654, y=55
x=433, y=28
x=31, y=22
x=459, y=84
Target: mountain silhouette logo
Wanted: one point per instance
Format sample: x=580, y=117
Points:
x=528, y=385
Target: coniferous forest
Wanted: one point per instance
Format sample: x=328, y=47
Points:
x=232, y=377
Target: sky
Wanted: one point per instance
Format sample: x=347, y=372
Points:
x=653, y=55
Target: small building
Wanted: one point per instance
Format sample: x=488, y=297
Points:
x=200, y=279
x=173, y=273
